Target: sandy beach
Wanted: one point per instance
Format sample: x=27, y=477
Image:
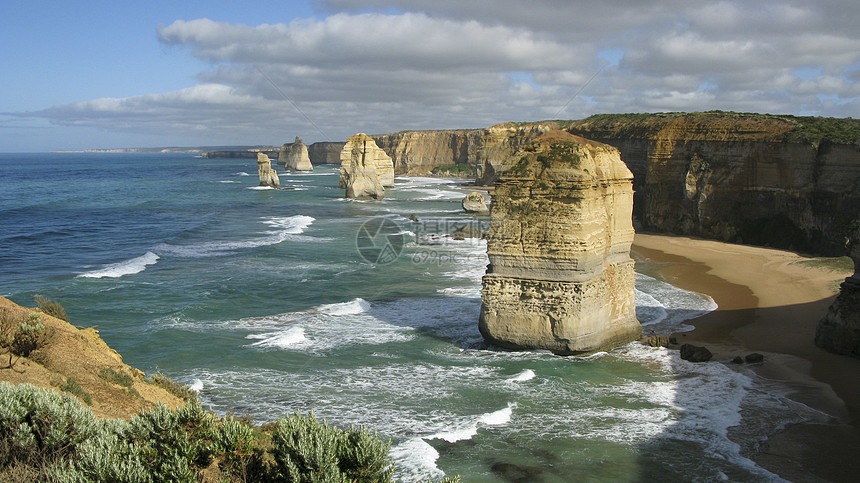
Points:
x=770, y=302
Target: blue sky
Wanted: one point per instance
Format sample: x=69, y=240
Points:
x=115, y=74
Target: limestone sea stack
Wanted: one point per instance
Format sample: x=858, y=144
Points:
x=294, y=156
x=268, y=176
x=359, y=168
x=839, y=330
x=474, y=202
x=560, y=275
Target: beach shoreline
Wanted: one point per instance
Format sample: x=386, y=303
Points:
x=770, y=302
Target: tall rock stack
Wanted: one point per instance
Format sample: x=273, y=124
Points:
x=360, y=172
x=560, y=274
x=268, y=176
x=839, y=330
x=294, y=156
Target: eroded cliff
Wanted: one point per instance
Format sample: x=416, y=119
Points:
x=294, y=156
x=839, y=330
x=560, y=275
x=363, y=167
x=781, y=181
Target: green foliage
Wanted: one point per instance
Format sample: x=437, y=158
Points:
x=72, y=387
x=49, y=307
x=179, y=390
x=306, y=449
x=49, y=436
x=459, y=169
x=28, y=337
x=115, y=377
x=567, y=153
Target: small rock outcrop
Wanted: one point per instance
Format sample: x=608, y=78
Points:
x=694, y=353
x=560, y=275
x=268, y=176
x=474, y=202
x=294, y=156
x=839, y=330
x=359, y=168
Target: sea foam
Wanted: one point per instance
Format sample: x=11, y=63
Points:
x=128, y=267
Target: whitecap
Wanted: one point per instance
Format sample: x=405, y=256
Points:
x=260, y=188
x=526, y=375
x=286, y=228
x=291, y=338
x=196, y=385
x=241, y=173
x=468, y=430
x=353, y=307
x=128, y=267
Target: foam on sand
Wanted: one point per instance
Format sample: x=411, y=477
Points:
x=128, y=267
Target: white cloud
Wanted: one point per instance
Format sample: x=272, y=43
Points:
x=447, y=64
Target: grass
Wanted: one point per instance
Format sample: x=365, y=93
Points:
x=72, y=387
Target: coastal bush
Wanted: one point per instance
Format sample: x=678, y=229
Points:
x=182, y=391
x=115, y=377
x=459, y=169
x=72, y=387
x=28, y=337
x=48, y=436
x=49, y=307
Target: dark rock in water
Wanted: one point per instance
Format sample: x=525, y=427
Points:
x=673, y=340
x=413, y=218
x=466, y=231
x=658, y=341
x=754, y=357
x=516, y=473
x=738, y=360
x=692, y=353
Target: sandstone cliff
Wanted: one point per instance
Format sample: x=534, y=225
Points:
x=76, y=360
x=839, y=330
x=560, y=275
x=268, y=176
x=781, y=181
x=325, y=152
x=294, y=156
x=360, y=171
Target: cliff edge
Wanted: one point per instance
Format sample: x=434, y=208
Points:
x=560, y=275
x=68, y=359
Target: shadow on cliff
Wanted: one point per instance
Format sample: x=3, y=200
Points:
x=728, y=413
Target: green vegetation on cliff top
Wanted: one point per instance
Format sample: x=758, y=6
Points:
x=806, y=129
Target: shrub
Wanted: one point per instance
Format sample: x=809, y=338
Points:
x=49, y=307
x=182, y=391
x=115, y=377
x=72, y=387
x=28, y=336
x=45, y=435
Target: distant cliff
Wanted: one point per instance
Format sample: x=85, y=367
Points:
x=781, y=181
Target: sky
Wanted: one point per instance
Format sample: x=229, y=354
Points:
x=107, y=74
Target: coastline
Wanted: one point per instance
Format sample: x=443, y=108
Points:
x=769, y=302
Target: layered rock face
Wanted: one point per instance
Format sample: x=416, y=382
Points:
x=325, y=152
x=743, y=178
x=294, y=156
x=268, y=176
x=360, y=172
x=839, y=330
x=560, y=274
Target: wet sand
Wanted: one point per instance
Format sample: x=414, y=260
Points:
x=770, y=303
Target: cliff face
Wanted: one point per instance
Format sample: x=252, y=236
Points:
x=416, y=153
x=839, y=330
x=737, y=178
x=560, y=274
x=325, y=152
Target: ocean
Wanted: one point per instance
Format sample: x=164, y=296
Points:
x=272, y=301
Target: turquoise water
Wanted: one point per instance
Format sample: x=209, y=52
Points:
x=263, y=301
